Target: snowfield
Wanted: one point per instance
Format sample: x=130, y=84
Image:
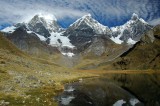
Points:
x=57, y=40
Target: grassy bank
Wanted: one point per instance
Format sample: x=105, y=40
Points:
x=28, y=81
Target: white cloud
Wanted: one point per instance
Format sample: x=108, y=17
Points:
x=155, y=22
x=106, y=11
x=19, y=11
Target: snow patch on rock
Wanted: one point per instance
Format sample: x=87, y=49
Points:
x=57, y=40
x=131, y=41
x=69, y=54
x=134, y=101
x=116, y=39
x=9, y=29
x=42, y=38
x=119, y=103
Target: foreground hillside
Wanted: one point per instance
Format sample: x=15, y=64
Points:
x=27, y=80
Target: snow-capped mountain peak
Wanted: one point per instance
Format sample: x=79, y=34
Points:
x=132, y=29
x=44, y=20
x=134, y=16
x=86, y=16
x=46, y=25
x=88, y=21
x=40, y=17
x=80, y=20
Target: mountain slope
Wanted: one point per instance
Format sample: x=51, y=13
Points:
x=30, y=42
x=5, y=44
x=100, y=50
x=102, y=46
x=145, y=54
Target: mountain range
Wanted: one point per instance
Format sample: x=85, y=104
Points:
x=86, y=38
x=81, y=33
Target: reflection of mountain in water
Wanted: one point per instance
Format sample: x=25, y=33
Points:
x=96, y=92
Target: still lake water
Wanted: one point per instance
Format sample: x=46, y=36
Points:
x=113, y=90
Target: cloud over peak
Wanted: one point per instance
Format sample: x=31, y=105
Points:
x=107, y=12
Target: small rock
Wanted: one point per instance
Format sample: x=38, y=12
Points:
x=31, y=77
x=3, y=103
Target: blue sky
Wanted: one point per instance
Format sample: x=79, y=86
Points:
x=107, y=12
